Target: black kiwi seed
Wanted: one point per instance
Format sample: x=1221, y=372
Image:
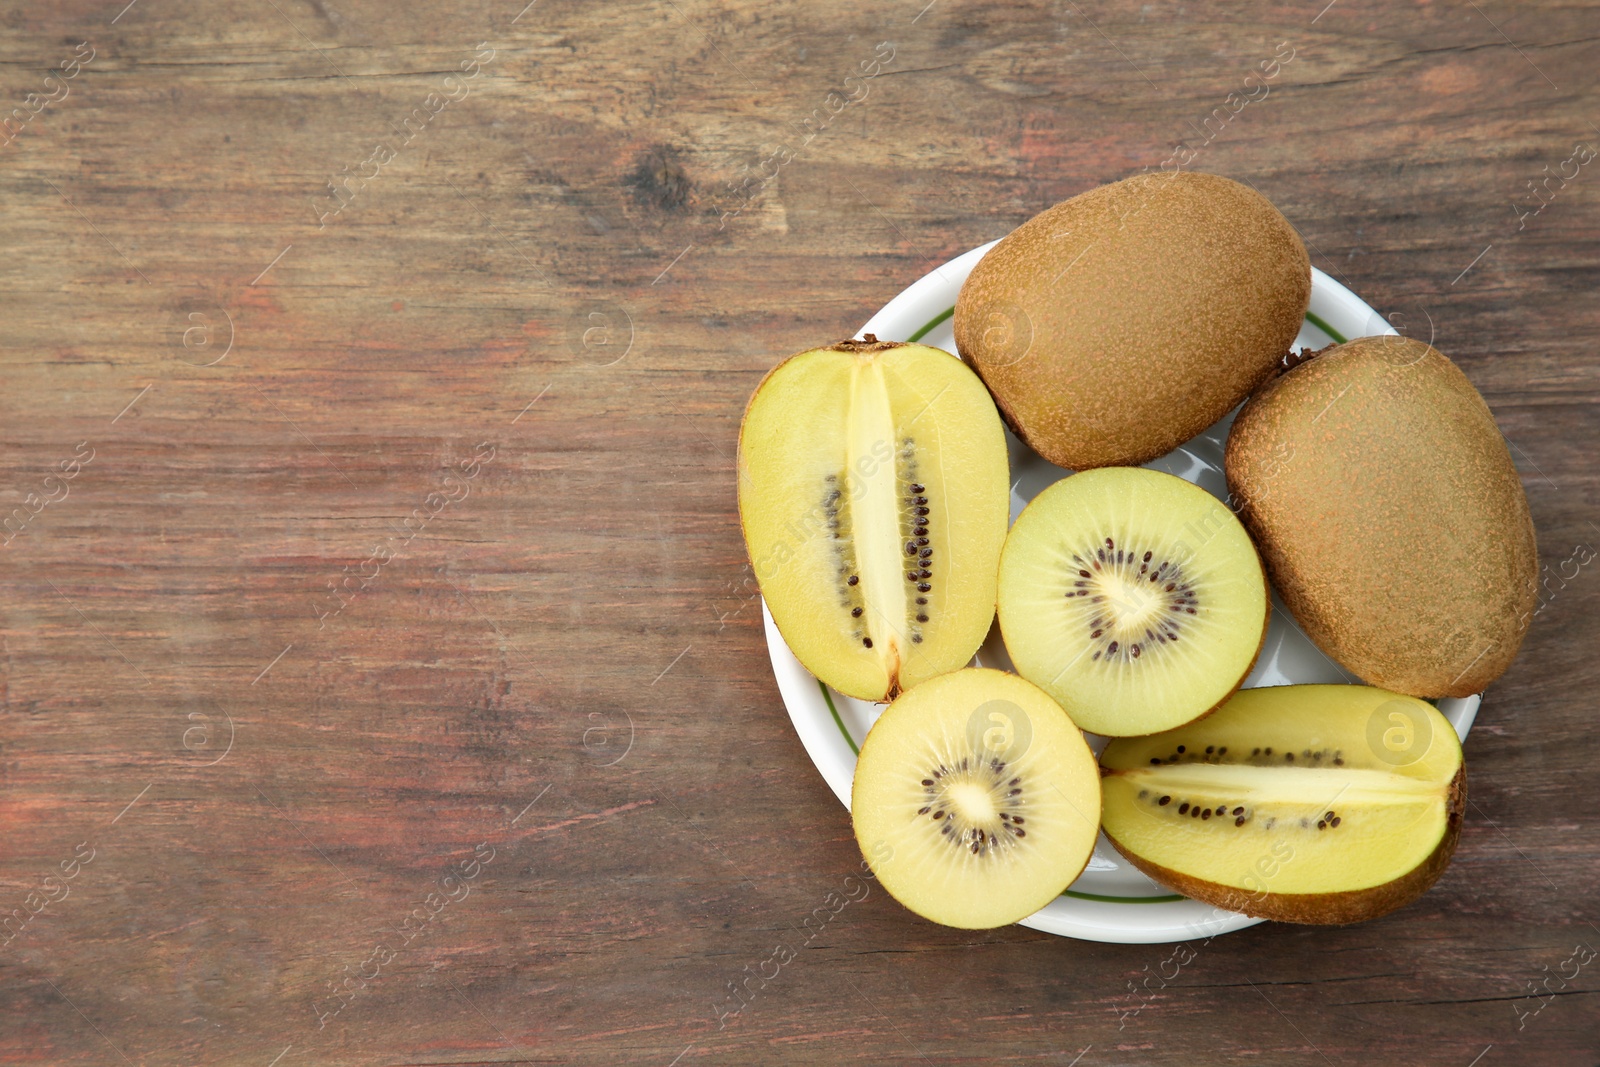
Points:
x=852, y=580
x=1239, y=821
x=855, y=613
x=866, y=642
x=1164, y=801
x=1183, y=809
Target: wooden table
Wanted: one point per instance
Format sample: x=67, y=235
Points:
x=397, y=355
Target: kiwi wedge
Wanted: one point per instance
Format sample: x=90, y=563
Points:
x=1302, y=803
x=873, y=493
x=1390, y=515
x=975, y=801
x=1133, y=598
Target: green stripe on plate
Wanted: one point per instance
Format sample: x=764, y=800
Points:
x=936, y=320
x=1316, y=320
x=1168, y=899
x=827, y=695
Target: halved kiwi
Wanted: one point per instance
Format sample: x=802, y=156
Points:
x=873, y=492
x=1133, y=598
x=976, y=800
x=1302, y=803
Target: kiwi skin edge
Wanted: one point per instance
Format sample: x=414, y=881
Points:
x=1322, y=909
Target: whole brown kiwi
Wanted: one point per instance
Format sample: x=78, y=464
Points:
x=1120, y=323
x=1389, y=514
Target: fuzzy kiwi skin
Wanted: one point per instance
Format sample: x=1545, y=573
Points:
x=1151, y=308
x=1322, y=909
x=1390, y=516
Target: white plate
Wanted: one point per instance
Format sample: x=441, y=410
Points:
x=1110, y=901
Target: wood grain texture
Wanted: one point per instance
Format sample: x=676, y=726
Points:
x=583, y=263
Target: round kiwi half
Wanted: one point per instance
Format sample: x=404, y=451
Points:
x=976, y=800
x=1133, y=598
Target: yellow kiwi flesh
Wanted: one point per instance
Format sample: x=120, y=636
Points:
x=1303, y=803
x=1389, y=514
x=976, y=801
x=873, y=493
x=1120, y=323
x=1132, y=597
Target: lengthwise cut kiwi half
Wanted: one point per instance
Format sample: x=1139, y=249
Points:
x=1133, y=598
x=976, y=800
x=873, y=493
x=1302, y=803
